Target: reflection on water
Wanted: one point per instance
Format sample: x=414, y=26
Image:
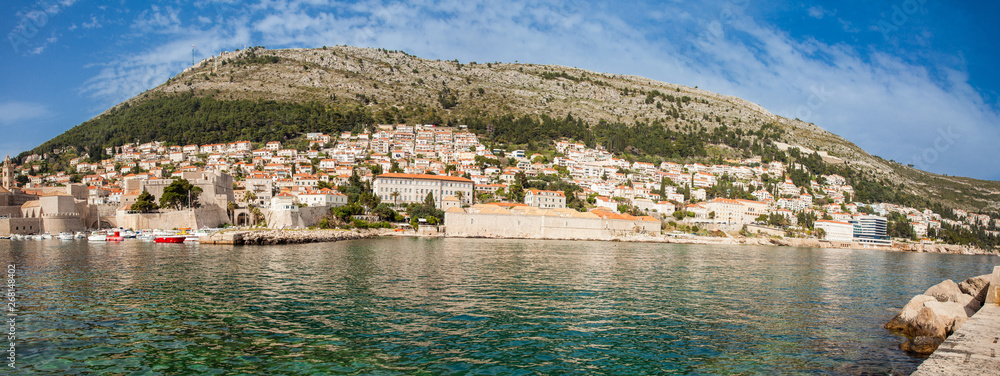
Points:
x=440, y=306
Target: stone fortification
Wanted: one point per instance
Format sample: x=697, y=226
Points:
x=299, y=218
x=521, y=221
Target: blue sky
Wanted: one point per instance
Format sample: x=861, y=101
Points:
x=909, y=80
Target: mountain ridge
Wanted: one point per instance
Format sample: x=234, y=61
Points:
x=396, y=87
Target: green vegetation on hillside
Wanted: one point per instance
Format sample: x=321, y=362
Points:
x=187, y=119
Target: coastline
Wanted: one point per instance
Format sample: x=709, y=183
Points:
x=278, y=237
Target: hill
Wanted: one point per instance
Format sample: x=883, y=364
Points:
x=259, y=94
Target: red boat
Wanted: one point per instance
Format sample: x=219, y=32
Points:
x=116, y=238
x=169, y=238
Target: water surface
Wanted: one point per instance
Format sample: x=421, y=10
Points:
x=465, y=306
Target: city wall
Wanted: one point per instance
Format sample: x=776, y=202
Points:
x=494, y=225
x=211, y=216
x=301, y=218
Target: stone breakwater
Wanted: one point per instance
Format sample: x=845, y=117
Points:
x=276, y=237
x=928, y=319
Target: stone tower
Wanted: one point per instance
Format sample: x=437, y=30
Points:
x=8, y=173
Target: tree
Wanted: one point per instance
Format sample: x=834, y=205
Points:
x=516, y=193
x=386, y=213
x=231, y=208
x=180, y=194
x=460, y=195
x=249, y=197
x=257, y=215
x=144, y=203
x=429, y=200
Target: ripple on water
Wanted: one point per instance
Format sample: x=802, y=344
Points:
x=465, y=306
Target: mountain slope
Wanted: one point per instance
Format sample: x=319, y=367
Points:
x=337, y=88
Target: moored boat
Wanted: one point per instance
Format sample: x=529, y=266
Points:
x=117, y=237
x=66, y=235
x=98, y=236
x=169, y=238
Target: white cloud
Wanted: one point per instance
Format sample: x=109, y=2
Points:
x=817, y=12
x=92, y=24
x=165, y=21
x=18, y=112
x=885, y=104
x=31, y=21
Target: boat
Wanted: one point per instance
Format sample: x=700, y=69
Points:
x=66, y=235
x=169, y=238
x=117, y=237
x=46, y=236
x=98, y=236
x=190, y=236
x=80, y=235
x=16, y=237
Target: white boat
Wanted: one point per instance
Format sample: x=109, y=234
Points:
x=98, y=236
x=66, y=235
x=46, y=236
x=16, y=237
x=80, y=235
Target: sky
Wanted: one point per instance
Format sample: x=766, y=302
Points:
x=908, y=80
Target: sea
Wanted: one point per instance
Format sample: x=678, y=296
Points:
x=443, y=306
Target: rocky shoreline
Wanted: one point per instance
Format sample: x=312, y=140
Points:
x=928, y=319
x=278, y=237
x=781, y=242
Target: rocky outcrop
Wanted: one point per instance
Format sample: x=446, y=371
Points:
x=928, y=319
x=905, y=321
x=946, y=291
x=976, y=287
x=922, y=344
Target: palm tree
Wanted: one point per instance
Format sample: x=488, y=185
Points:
x=249, y=198
x=395, y=195
x=257, y=215
x=460, y=195
x=231, y=208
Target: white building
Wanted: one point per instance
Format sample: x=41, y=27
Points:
x=544, y=199
x=407, y=188
x=836, y=231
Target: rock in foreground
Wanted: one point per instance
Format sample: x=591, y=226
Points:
x=928, y=319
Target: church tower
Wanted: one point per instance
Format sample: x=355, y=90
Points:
x=8, y=173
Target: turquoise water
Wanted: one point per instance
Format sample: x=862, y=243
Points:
x=465, y=306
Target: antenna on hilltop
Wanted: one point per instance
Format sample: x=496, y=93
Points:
x=192, y=54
